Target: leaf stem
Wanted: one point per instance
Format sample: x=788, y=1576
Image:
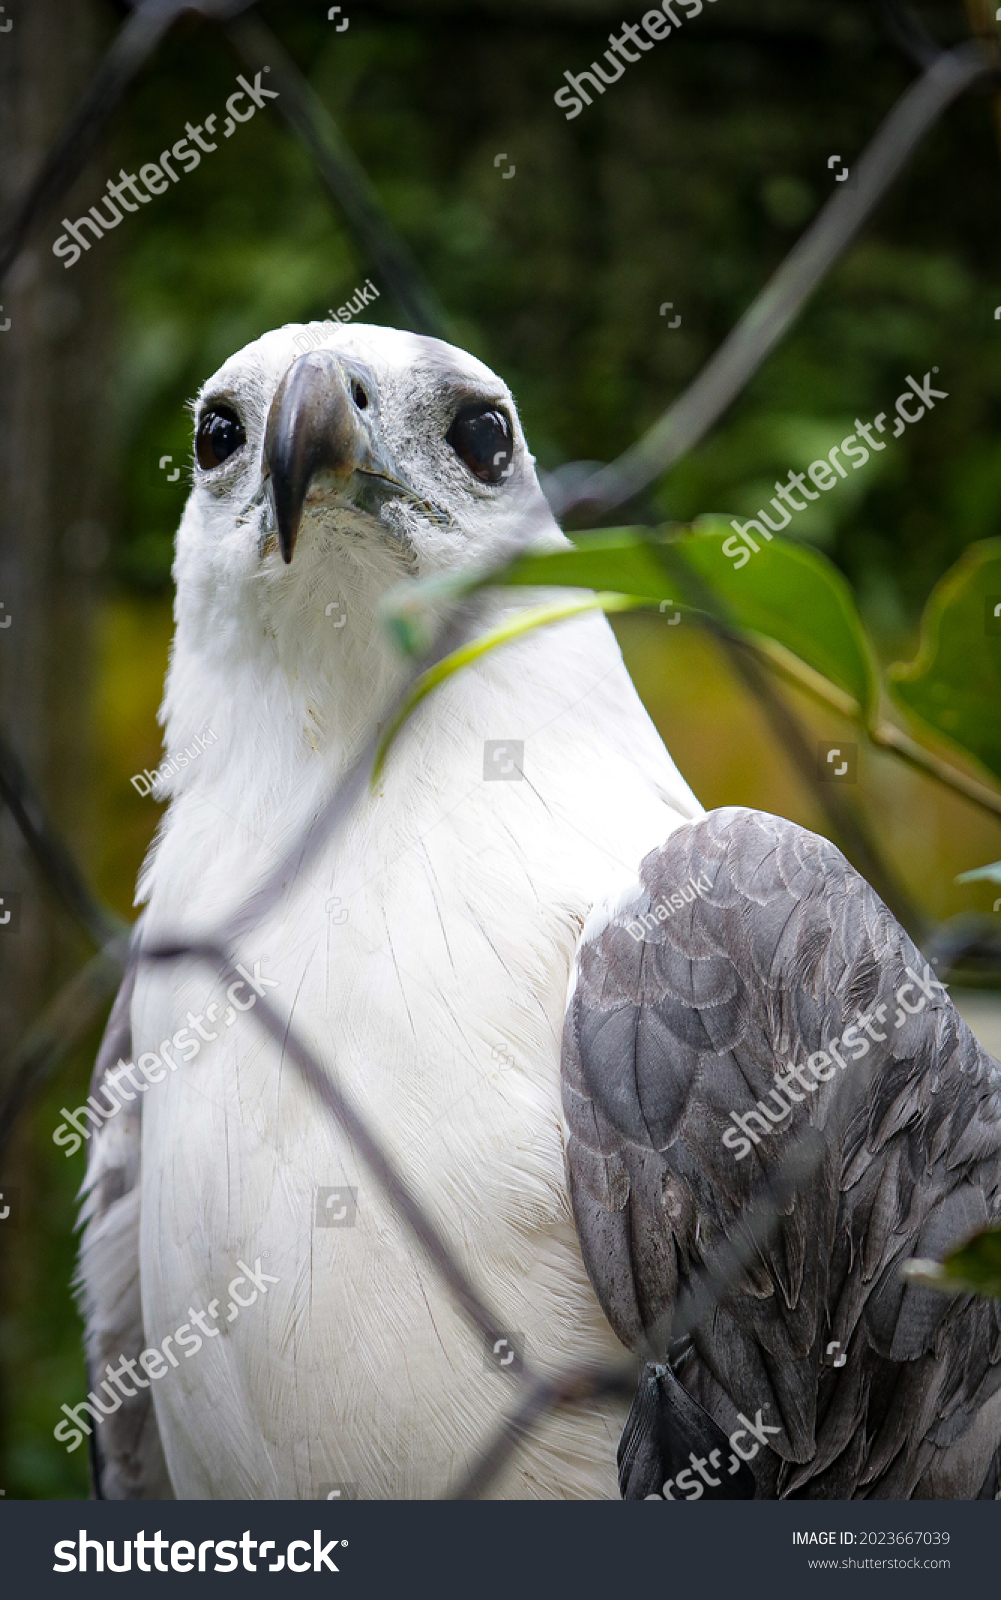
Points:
x=513, y=628
x=889, y=737
x=885, y=735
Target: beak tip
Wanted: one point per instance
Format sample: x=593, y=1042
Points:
x=311, y=427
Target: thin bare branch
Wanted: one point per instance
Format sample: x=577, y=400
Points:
x=778, y=305
x=885, y=735
x=128, y=53
x=324, y=1085
x=344, y=176
x=57, y=864
x=540, y=1397
x=64, y=1022
x=843, y=817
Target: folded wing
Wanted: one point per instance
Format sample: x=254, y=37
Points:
x=750, y=948
x=126, y=1454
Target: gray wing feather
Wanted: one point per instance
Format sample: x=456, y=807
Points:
x=673, y=1026
x=126, y=1451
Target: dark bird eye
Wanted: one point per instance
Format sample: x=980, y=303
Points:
x=220, y=434
x=481, y=436
x=358, y=395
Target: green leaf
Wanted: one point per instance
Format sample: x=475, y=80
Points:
x=794, y=595
x=974, y=1268
x=954, y=683
x=786, y=592
x=992, y=874
x=623, y=560
x=513, y=628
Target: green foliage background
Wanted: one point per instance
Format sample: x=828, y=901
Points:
x=689, y=181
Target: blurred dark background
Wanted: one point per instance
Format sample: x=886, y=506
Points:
x=687, y=182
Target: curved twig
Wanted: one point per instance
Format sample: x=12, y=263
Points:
x=127, y=54
x=57, y=864
x=778, y=305
x=344, y=176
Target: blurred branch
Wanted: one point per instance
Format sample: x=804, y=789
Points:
x=327, y=1090
x=889, y=737
x=344, y=176
x=57, y=865
x=984, y=26
x=131, y=47
x=908, y=32
x=843, y=817
x=782, y=299
x=65, y=1021
x=541, y=1396
x=885, y=735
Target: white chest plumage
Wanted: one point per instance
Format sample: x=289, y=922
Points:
x=426, y=959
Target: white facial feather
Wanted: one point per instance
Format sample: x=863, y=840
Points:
x=419, y=385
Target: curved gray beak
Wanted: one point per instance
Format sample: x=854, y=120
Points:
x=315, y=426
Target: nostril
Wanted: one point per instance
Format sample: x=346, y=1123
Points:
x=358, y=395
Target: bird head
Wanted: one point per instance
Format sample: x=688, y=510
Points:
x=373, y=444
x=333, y=462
